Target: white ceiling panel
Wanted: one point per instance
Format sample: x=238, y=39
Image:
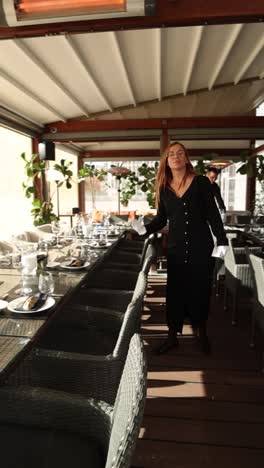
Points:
x=11, y=97
x=216, y=43
x=139, y=50
x=247, y=43
x=57, y=54
x=189, y=71
x=101, y=54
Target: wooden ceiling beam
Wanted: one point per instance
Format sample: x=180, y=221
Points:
x=154, y=124
x=155, y=153
x=168, y=13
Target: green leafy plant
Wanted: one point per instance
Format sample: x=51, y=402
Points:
x=147, y=183
x=42, y=207
x=67, y=173
x=93, y=176
x=43, y=212
x=202, y=164
x=252, y=165
x=128, y=187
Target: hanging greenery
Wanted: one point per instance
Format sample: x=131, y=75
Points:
x=252, y=164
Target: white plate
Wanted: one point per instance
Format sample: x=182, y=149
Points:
x=15, y=303
x=100, y=246
x=53, y=264
x=66, y=265
x=3, y=304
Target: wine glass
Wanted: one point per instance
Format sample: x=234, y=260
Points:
x=56, y=229
x=17, y=264
x=46, y=283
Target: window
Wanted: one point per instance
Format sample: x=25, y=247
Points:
x=107, y=195
x=15, y=207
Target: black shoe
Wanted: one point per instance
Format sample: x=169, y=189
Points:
x=167, y=345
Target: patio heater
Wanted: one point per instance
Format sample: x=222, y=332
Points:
x=58, y=178
x=118, y=172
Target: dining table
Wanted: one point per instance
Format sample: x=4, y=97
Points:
x=20, y=330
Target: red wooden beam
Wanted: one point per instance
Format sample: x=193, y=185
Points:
x=152, y=124
x=168, y=13
x=155, y=153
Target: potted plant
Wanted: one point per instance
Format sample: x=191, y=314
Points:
x=42, y=207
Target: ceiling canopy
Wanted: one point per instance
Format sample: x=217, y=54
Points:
x=195, y=71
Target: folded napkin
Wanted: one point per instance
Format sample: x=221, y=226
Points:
x=33, y=302
x=138, y=225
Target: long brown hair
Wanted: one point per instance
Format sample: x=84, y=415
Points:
x=164, y=175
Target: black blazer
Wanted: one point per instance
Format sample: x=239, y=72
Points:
x=218, y=196
x=190, y=218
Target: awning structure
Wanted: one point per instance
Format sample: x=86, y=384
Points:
x=181, y=71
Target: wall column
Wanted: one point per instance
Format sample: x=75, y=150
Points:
x=81, y=187
x=164, y=140
x=251, y=186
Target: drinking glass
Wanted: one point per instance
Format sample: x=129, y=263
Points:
x=56, y=229
x=46, y=283
x=17, y=264
x=42, y=254
x=26, y=281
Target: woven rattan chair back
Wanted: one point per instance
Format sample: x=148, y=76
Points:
x=132, y=317
x=128, y=408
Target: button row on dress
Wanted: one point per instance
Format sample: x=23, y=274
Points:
x=185, y=233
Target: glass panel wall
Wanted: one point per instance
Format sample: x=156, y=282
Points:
x=233, y=188
x=68, y=198
x=259, y=206
x=15, y=208
x=106, y=198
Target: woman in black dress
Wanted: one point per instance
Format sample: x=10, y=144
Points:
x=187, y=202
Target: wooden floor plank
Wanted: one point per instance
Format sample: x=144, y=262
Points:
x=204, y=409
x=161, y=454
x=201, y=411
x=206, y=432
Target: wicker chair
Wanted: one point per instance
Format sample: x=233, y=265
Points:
x=112, y=302
x=86, y=359
x=257, y=267
x=130, y=260
x=238, y=275
x=5, y=247
x=112, y=278
x=53, y=428
x=108, y=298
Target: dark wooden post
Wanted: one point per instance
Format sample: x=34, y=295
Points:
x=81, y=187
x=251, y=188
x=164, y=141
x=38, y=182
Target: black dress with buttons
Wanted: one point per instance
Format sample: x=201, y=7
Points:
x=189, y=249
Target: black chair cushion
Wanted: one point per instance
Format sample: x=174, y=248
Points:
x=27, y=447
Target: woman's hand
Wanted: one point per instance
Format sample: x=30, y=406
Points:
x=138, y=225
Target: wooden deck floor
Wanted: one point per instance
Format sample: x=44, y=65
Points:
x=201, y=411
